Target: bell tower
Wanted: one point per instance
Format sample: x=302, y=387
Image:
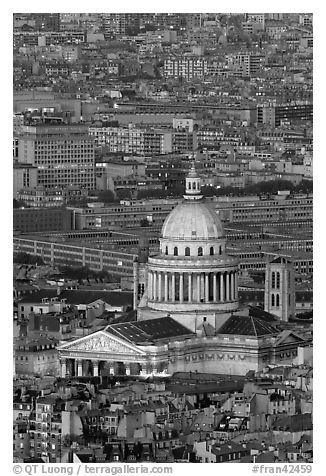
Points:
x=193, y=191
x=279, y=296
x=140, y=270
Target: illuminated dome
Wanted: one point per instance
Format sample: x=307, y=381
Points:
x=193, y=219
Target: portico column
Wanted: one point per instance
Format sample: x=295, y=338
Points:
x=198, y=287
x=232, y=286
x=154, y=286
x=181, y=288
x=214, y=287
x=150, y=285
x=236, y=285
x=221, y=287
x=154, y=367
x=160, y=286
x=63, y=368
x=127, y=366
x=166, y=295
x=79, y=368
x=227, y=286
x=202, y=286
x=189, y=287
x=111, y=368
x=173, y=287
x=95, y=368
x=206, y=287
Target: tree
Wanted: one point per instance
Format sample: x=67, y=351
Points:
x=144, y=222
x=152, y=193
x=106, y=196
x=306, y=186
x=18, y=203
x=208, y=191
x=26, y=258
x=124, y=194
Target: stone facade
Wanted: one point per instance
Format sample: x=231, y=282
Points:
x=192, y=278
x=191, y=288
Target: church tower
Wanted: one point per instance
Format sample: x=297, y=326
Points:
x=140, y=270
x=280, y=289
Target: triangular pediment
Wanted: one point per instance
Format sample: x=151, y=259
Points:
x=289, y=337
x=101, y=341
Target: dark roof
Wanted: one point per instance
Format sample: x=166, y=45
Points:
x=267, y=457
x=227, y=448
x=76, y=296
x=247, y=325
x=294, y=423
x=280, y=260
x=34, y=460
x=149, y=330
x=255, y=311
x=205, y=388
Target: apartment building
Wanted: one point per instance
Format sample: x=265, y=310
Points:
x=117, y=263
x=24, y=176
x=273, y=114
x=63, y=154
x=128, y=140
x=30, y=220
x=132, y=140
x=45, y=430
x=187, y=68
x=247, y=63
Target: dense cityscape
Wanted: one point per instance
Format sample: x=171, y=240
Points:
x=163, y=238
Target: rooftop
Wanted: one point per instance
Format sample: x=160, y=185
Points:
x=149, y=331
x=247, y=325
x=76, y=296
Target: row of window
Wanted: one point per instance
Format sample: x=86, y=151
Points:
x=187, y=251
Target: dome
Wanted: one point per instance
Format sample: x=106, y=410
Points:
x=192, y=220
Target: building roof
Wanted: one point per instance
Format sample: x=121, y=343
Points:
x=228, y=447
x=193, y=219
x=149, y=331
x=76, y=296
x=293, y=423
x=247, y=325
x=255, y=311
x=280, y=260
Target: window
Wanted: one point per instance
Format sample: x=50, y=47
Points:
x=166, y=250
x=187, y=251
x=273, y=300
x=211, y=250
x=273, y=280
x=278, y=278
x=175, y=251
x=277, y=300
x=200, y=251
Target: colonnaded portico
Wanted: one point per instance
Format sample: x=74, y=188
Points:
x=102, y=353
x=192, y=287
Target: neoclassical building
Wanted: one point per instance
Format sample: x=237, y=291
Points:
x=192, y=279
x=188, y=315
